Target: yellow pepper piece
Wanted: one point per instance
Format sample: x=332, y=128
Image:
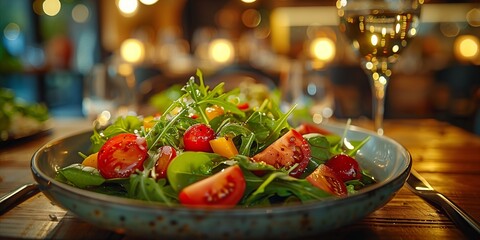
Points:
x=148, y=122
x=214, y=111
x=91, y=160
x=224, y=146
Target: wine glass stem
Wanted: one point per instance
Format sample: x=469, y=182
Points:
x=379, y=87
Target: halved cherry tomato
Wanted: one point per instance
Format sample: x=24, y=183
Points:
x=224, y=189
x=325, y=178
x=121, y=155
x=286, y=151
x=165, y=156
x=306, y=128
x=345, y=167
x=197, y=137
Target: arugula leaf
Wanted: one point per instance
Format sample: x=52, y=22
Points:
x=279, y=183
x=145, y=188
x=247, y=137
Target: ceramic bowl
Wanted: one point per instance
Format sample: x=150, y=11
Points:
x=387, y=160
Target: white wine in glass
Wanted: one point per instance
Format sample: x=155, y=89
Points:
x=379, y=31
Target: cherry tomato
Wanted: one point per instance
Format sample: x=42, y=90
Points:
x=121, y=155
x=165, y=156
x=325, y=178
x=224, y=189
x=306, y=128
x=243, y=106
x=197, y=137
x=286, y=151
x=345, y=167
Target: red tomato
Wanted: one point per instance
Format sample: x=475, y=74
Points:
x=224, y=189
x=121, y=155
x=243, y=106
x=325, y=178
x=345, y=167
x=306, y=128
x=197, y=137
x=166, y=154
x=286, y=151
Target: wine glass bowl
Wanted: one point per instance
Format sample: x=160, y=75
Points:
x=378, y=31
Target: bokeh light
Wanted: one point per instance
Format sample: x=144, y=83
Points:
x=473, y=17
x=251, y=18
x=466, y=47
x=132, y=50
x=80, y=13
x=51, y=7
x=221, y=51
x=148, y=2
x=11, y=31
x=127, y=7
x=323, y=48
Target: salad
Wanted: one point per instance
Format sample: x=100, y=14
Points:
x=212, y=148
x=19, y=118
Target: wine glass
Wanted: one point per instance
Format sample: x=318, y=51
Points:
x=379, y=30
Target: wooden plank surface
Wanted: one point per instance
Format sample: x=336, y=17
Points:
x=446, y=155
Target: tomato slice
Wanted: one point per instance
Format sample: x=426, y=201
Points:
x=197, y=138
x=286, y=151
x=122, y=155
x=165, y=155
x=223, y=189
x=325, y=178
x=306, y=128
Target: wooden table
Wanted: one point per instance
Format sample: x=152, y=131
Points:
x=447, y=156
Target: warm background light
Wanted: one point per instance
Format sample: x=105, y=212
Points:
x=51, y=7
x=466, y=47
x=127, y=7
x=323, y=49
x=132, y=50
x=221, y=51
x=148, y=2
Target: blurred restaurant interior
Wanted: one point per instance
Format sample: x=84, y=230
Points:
x=57, y=51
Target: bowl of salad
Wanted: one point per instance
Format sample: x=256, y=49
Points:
x=214, y=166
